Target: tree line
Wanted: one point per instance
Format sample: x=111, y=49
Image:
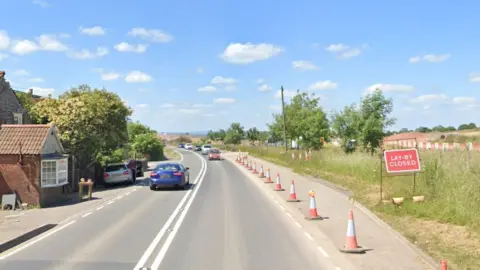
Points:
x=94, y=126
x=439, y=128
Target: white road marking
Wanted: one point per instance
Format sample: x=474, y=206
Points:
x=87, y=214
x=100, y=207
x=308, y=235
x=163, y=230
x=15, y=215
x=119, y=197
x=161, y=254
x=110, y=202
x=337, y=268
x=298, y=224
x=36, y=240
x=127, y=194
x=289, y=215
x=281, y=207
x=324, y=253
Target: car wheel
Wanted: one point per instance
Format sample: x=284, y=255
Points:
x=152, y=188
x=106, y=185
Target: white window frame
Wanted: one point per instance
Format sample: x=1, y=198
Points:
x=60, y=174
x=19, y=117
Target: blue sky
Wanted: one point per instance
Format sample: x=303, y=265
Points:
x=199, y=65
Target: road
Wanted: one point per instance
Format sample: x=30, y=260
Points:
x=222, y=222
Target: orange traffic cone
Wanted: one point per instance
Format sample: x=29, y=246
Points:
x=255, y=168
x=262, y=174
x=278, y=185
x=250, y=166
x=444, y=265
x=293, y=194
x=351, y=245
x=313, y=208
x=269, y=180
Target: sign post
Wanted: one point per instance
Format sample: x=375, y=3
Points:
x=400, y=161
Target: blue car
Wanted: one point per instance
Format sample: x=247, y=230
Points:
x=169, y=175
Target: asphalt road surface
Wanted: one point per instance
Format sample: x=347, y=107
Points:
x=222, y=222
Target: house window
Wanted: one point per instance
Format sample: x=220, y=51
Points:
x=54, y=172
x=17, y=118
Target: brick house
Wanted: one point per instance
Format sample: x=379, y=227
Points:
x=33, y=164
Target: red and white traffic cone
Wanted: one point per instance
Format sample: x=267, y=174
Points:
x=351, y=244
x=250, y=166
x=444, y=265
x=245, y=163
x=313, y=208
x=255, y=168
x=269, y=180
x=293, y=194
x=278, y=185
x=262, y=174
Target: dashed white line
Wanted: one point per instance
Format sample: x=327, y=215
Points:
x=324, y=253
x=281, y=207
x=100, y=207
x=110, y=202
x=127, y=194
x=289, y=215
x=337, y=268
x=87, y=214
x=119, y=197
x=308, y=235
x=298, y=224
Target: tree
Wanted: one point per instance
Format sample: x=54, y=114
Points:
x=467, y=126
x=136, y=128
x=184, y=139
x=423, y=130
x=346, y=125
x=92, y=123
x=148, y=144
x=235, y=134
x=304, y=118
x=27, y=101
x=253, y=134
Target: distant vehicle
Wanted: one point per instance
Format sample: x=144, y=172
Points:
x=206, y=148
x=169, y=174
x=181, y=145
x=189, y=146
x=214, y=154
x=117, y=173
x=198, y=148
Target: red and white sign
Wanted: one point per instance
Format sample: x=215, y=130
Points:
x=402, y=160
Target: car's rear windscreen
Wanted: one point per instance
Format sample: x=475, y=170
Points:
x=167, y=167
x=215, y=151
x=114, y=168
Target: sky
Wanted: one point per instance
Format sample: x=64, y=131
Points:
x=200, y=65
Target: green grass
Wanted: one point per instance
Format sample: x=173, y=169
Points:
x=170, y=154
x=446, y=225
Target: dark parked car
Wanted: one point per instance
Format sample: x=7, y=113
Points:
x=198, y=148
x=181, y=145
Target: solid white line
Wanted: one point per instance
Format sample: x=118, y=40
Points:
x=161, y=254
x=163, y=230
x=289, y=215
x=119, y=197
x=110, y=202
x=308, y=235
x=337, y=268
x=127, y=194
x=87, y=214
x=36, y=240
x=281, y=207
x=15, y=215
x=298, y=224
x=100, y=207
x=324, y=253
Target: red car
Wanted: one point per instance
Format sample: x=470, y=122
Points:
x=214, y=154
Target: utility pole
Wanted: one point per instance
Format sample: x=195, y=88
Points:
x=284, y=121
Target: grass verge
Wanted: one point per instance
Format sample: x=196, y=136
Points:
x=170, y=154
x=446, y=225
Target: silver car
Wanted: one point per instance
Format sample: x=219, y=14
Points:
x=117, y=173
x=206, y=148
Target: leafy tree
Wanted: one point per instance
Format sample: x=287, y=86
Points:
x=235, y=134
x=211, y=135
x=346, y=125
x=220, y=135
x=92, y=123
x=148, y=144
x=263, y=136
x=253, y=134
x=467, y=126
x=304, y=118
x=423, y=130
x=136, y=128
x=27, y=101
x=403, y=130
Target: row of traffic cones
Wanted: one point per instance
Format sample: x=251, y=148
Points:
x=351, y=243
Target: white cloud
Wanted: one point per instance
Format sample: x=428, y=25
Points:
x=87, y=54
x=429, y=97
x=304, y=65
x=207, y=88
x=199, y=105
x=237, y=53
x=167, y=105
x=126, y=47
x=200, y=70
x=142, y=106
x=110, y=76
x=43, y=43
x=41, y=3
x=51, y=43
x=4, y=40
x=92, y=31
x=344, y=51
x=189, y=111
x=137, y=77
x=42, y=91
x=21, y=72
x=474, y=77
x=286, y=93
x=264, y=88
x=464, y=100
x=36, y=80
x=260, y=81
x=224, y=100
x=398, y=88
x=432, y=58
x=3, y=56
x=152, y=35
x=24, y=47
x=323, y=85
x=223, y=80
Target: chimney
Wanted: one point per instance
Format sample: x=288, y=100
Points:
x=30, y=92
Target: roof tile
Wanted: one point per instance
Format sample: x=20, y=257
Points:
x=30, y=137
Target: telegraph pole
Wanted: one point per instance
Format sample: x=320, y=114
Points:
x=284, y=122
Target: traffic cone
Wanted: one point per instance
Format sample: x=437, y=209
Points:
x=245, y=162
x=269, y=180
x=351, y=245
x=278, y=185
x=262, y=174
x=444, y=265
x=313, y=208
x=250, y=165
x=255, y=168
x=293, y=194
